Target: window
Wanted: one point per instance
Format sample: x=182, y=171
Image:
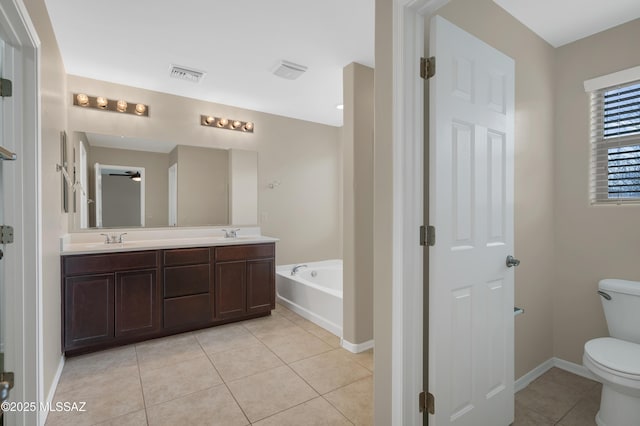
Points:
x=615, y=139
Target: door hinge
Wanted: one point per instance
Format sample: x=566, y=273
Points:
x=427, y=235
x=427, y=67
x=6, y=88
x=427, y=402
x=6, y=234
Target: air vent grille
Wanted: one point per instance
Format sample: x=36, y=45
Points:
x=289, y=70
x=184, y=73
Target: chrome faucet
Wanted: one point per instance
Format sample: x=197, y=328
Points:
x=113, y=238
x=297, y=268
x=231, y=233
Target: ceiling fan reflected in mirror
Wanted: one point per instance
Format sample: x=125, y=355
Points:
x=134, y=176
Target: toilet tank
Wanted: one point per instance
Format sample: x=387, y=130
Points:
x=623, y=310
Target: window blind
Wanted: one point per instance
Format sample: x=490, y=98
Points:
x=615, y=144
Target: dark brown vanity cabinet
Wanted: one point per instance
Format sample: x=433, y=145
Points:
x=108, y=297
x=244, y=280
x=118, y=298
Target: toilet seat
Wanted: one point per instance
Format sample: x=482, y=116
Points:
x=616, y=356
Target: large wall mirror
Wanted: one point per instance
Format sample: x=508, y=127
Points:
x=128, y=182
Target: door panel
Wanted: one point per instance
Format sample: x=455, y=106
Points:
x=137, y=303
x=89, y=309
x=259, y=285
x=230, y=289
x=471, y=206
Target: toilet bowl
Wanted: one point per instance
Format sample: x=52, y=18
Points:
x=615, y=360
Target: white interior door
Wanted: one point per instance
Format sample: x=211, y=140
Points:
x=471, y=205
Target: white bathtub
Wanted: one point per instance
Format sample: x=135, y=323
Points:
x=314, y=292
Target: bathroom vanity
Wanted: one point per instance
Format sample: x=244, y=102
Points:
x=128, y=293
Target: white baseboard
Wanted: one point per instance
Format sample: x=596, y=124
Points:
x=577, y=369
x=571, y=367
x=524, y=381
x=356, y=347
x=52, y=389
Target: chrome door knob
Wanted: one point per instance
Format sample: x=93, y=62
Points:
x=512, y=261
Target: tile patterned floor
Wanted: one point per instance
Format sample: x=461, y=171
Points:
x=558, y=398
x=277, y=370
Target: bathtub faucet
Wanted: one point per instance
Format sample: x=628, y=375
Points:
x=297, y=268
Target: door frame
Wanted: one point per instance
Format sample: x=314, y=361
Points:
x=408, y=209
x=22, y=134
x=100, y=170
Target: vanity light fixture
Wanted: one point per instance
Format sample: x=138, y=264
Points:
x=100, y=102
x=225, y=123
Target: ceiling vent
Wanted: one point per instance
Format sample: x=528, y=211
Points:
x=289, y=70
x=184, y=73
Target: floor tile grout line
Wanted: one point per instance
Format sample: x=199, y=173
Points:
x=285, y=362
x=224, y=382
x=144, y=400
x=75, y=414
x=287, y=409
x=337, y=409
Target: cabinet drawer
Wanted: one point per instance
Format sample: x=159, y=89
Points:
x=186, y=256
x=103, y=263
x=187, y=310
x=253, y=251
x=186, y=280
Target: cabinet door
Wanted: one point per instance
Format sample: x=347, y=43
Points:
x=260, y=285
x=230, y=289
x=137, y=303
x=88, y=310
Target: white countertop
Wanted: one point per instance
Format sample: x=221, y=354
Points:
x=94, y=243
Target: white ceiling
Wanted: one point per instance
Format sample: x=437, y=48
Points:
x=237, y=42
x=560, y=22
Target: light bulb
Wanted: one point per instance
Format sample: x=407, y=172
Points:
x=140, y=109
x=235, y=124
x=82, y=99
x=121, y=106
x=209, y=120
x=223, y=122
x=102, y=102
x=248, y=126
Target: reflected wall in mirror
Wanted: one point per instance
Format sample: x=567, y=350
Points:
x=134, y=182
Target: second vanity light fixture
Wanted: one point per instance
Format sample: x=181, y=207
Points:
x=225, y=123
x=100, y=102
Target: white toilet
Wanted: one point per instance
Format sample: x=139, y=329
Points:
x=615, y=360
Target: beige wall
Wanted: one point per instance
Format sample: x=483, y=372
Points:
x=357, y=237
x=156, y=182
x=591, y=243
x=383, y=211
x=54, y=223
x=243, y=187
x=203, y=186
x=534, y=174
x=303, y=211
